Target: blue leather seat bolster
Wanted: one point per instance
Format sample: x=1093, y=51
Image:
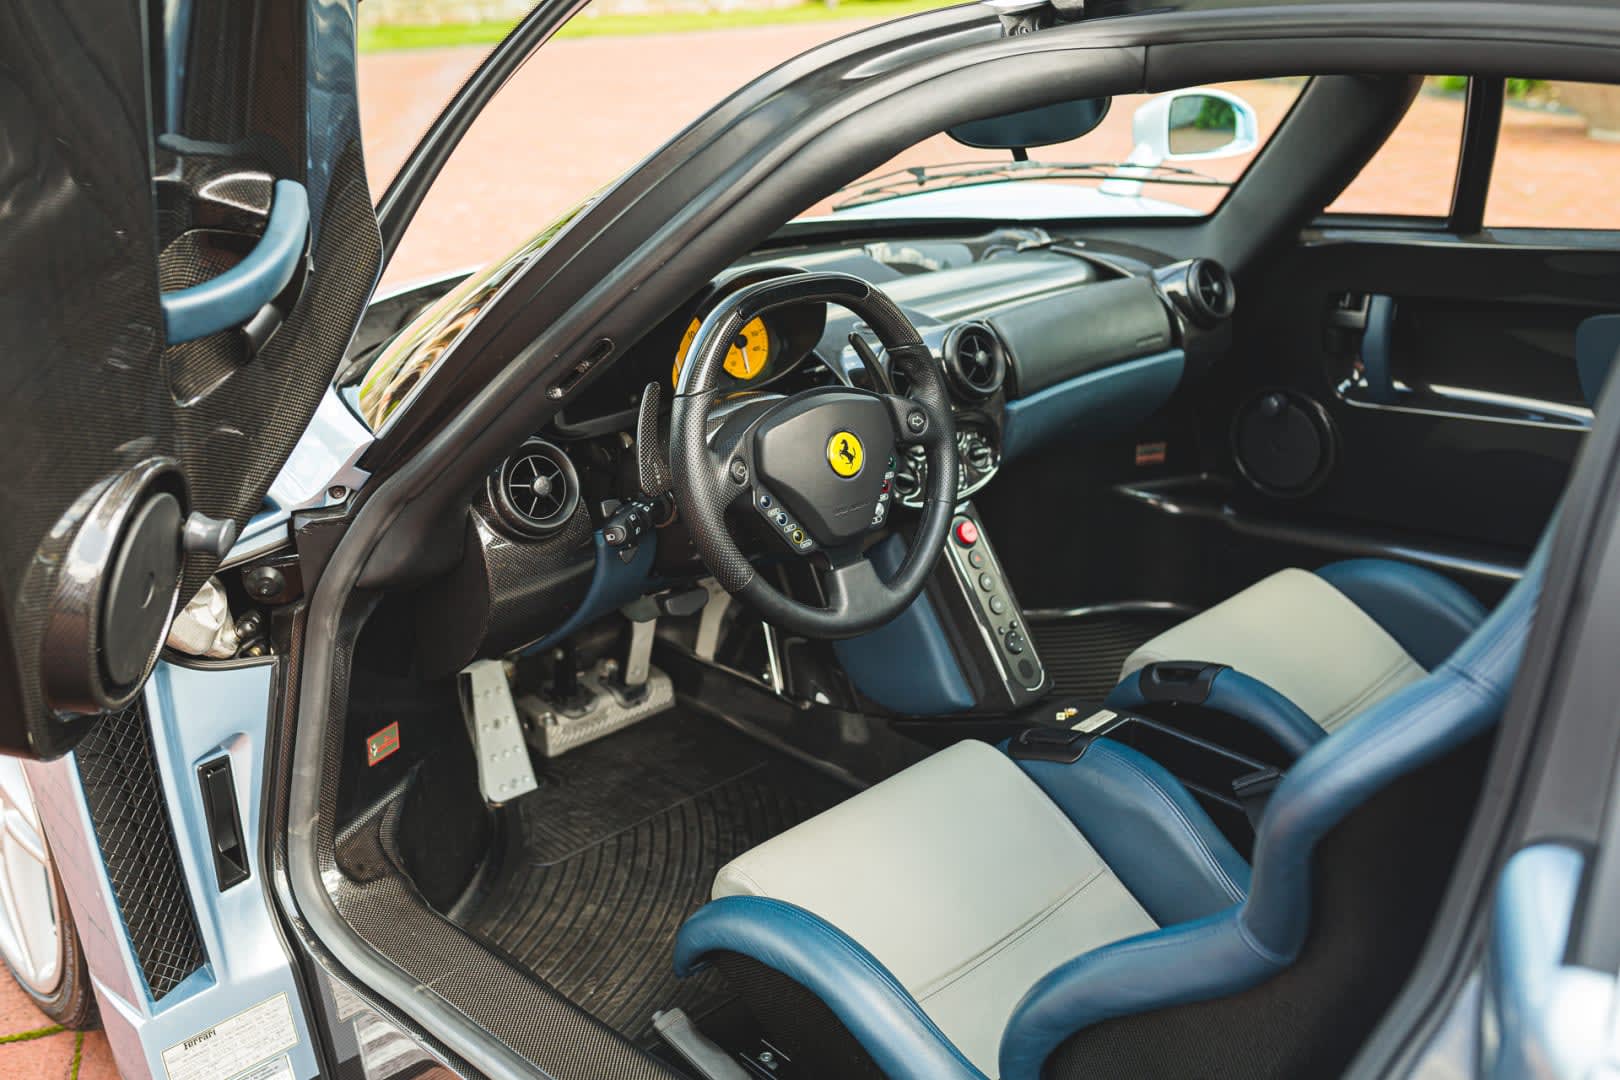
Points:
x=1247, y=698
x=1148, y=829
x=1193, y=961
x=1462, y=698
x=861, y=992
x=1235, y=949
x=1429, y=614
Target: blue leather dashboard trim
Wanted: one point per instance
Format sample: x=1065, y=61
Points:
x=906, y=665
x=1095, y=405
x=862, y=993
x=1234, y=950
x=1245, y=697
x=614, y=583
x=1428, y=613
x=1152, y=834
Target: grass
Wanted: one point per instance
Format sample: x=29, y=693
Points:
x=446, y=35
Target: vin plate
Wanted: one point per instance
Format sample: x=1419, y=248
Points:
x=239, y=1048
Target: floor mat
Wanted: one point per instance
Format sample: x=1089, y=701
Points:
x=1083, y=654
x=621, y=843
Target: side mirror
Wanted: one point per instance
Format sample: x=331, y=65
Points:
x=1184, y=125
x=1193, y=125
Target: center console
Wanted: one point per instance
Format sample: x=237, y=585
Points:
x=983, y=600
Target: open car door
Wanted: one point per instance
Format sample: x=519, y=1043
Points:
x=187, y=242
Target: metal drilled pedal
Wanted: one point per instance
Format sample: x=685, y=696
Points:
x=504, y=769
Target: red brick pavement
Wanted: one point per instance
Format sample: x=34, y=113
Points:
x=584, y=110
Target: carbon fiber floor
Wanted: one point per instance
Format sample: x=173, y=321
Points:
x=620, y=845
x=1084, y=654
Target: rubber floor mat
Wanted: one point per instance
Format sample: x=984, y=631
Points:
x=621, y=843
x=1083, y=655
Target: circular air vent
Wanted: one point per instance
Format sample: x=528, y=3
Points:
x=535, y=491
x=975, y=362
x=1201, y=290
x=1211, y=290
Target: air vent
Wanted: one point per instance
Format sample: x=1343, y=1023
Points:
x=975, y=362
x=1212, y=290
x=1201, y=290
x=535, y=491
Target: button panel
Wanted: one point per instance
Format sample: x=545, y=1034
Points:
x=974, y=563
x=782, y=522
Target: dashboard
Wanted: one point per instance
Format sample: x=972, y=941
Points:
x=1043, y=341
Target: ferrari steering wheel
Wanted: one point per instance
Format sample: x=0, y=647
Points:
x=817, y=466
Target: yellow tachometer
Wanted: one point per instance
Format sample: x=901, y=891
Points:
x=749, y=353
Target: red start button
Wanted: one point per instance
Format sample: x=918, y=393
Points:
x=967, y=533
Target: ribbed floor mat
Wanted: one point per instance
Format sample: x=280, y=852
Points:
x=1084, y=654
x=621, y=844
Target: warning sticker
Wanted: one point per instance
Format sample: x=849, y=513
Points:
x=240, y=1048
x=279, y=1069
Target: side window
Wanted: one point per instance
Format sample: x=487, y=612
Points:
x=1557, y=157
x=1415, y=172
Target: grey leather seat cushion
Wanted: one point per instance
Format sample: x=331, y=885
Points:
x=1299, y=635
x=961, y=877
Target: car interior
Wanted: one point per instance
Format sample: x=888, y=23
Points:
x=951, y=648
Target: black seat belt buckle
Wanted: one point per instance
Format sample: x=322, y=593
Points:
x=1060, y=744
x=1253, y=792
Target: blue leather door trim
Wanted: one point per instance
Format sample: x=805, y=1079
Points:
x=862, y=993
x=1152, y=834
x=1429, y=614
x=614, y=583
x=1096, y=405
x=1597, y=341
x=234, y=297
x=906, y=665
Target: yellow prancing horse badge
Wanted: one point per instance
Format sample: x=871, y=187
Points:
x=845, y=453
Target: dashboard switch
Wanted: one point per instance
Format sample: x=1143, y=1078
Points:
x=967, y=533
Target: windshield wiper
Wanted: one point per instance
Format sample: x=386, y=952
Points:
x=909, y=181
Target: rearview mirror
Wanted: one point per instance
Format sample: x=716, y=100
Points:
x=1033, y=127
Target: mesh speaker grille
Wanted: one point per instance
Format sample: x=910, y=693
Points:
x=136, y=838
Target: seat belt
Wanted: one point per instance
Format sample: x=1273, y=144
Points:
x=1253, y=792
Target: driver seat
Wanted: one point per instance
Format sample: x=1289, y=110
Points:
x=984, y=914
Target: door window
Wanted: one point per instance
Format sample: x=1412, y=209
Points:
x=1415, y=172
x=1557, y=157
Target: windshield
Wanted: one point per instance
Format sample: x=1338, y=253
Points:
x=1105, y=173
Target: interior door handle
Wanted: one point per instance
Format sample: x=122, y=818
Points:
x=233, y=298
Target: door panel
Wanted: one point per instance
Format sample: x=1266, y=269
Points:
x=1496, y=322
x=116, y=432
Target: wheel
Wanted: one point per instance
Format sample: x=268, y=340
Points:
x=38, y=940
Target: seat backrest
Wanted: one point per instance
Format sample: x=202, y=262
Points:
x=1350, y=863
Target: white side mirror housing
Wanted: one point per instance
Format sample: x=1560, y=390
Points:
x=1197, y=124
